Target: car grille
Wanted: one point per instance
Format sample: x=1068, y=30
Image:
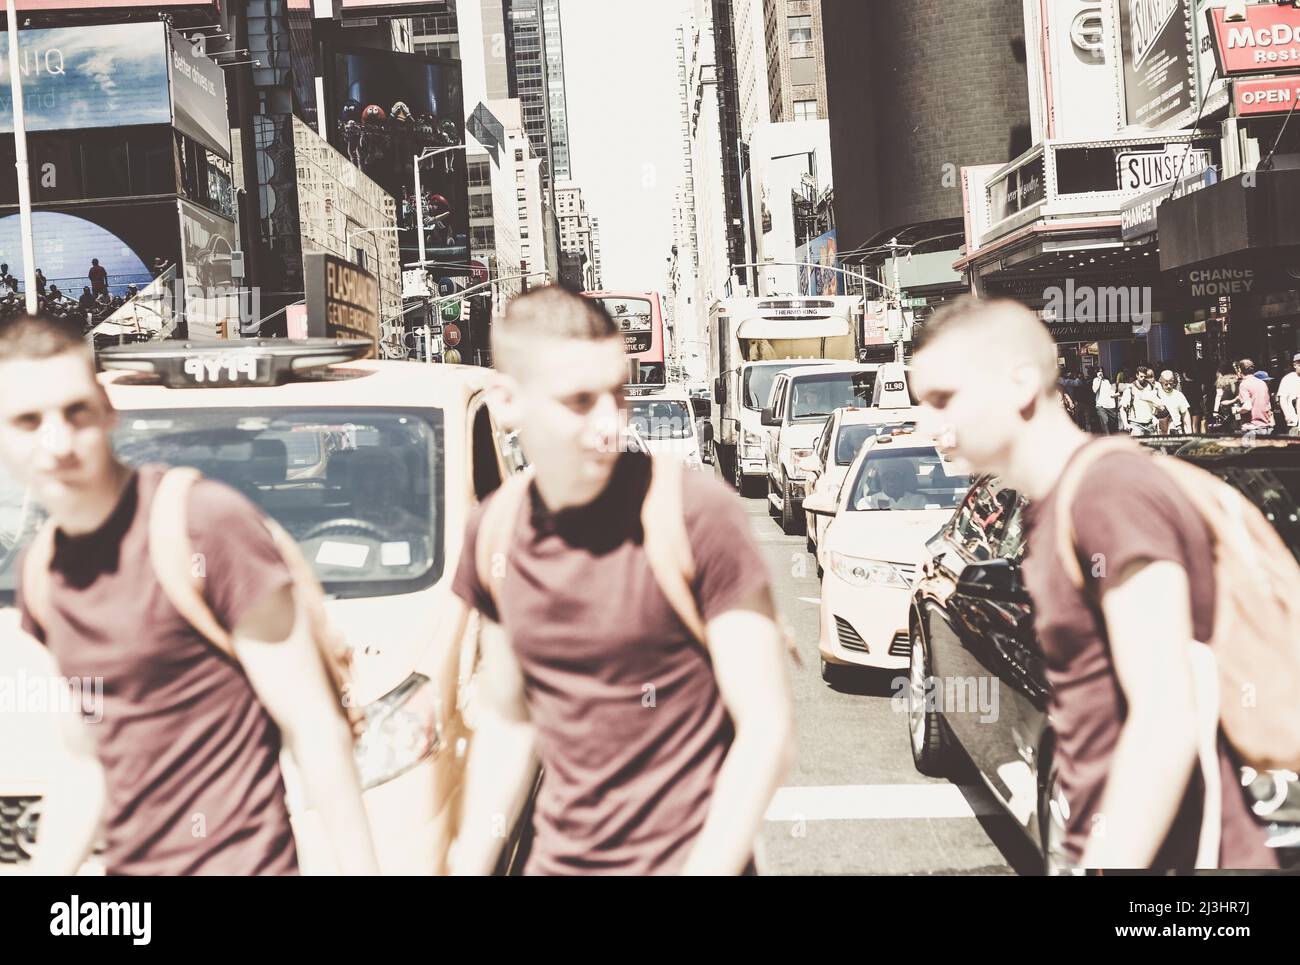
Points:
x=17, y=829
x=901, y=645
x=850, y=639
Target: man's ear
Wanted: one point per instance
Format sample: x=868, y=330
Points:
x=1027, y=387
x=503, y=395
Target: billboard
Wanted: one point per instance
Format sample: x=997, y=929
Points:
x=342, y=298
x=385, y=108
x=111, y=75
x=819, y=254
x=198, y=88
x=211, y=305
x=125, y=239
x=1266, y=42
x=1159, y=82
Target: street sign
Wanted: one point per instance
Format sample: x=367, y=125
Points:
x=1266, y=42
x=1268, y=95
x=451, y=335
x=435, y=330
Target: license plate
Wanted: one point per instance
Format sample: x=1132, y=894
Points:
x=895, y=386
x=208, y=370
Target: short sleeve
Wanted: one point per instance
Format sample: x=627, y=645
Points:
x=465, y=584
x=1126, y=511
x=729, y=568
x=241, y=564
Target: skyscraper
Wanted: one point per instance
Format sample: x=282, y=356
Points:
x=553, y=37
x=535, y=59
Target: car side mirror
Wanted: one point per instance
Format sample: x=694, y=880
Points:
x=701, y=408
x=820, y=503
x=994, y=580
x=768, y=418
x=719, y=391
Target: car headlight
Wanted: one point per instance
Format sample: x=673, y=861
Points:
x=401, y=731
x=859, y=572
x=795, y=456
x=752, y=438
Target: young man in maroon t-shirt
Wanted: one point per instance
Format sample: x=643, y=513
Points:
x=181, y=761
x=660, y=753
x=1117, y=651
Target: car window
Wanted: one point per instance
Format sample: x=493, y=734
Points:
x=361, y=490
x=851, y=438
x=660, y=418
x=903, y=479
x=990, y=523
x=824, y=442
x=817, y=396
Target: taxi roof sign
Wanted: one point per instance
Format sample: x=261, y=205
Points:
x=184, y=365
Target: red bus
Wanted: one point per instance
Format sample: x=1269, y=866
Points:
x=640, y=318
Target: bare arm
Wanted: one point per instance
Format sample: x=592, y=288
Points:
x=72, y=810
x=1147, y=610
x=749, y=663
x=502, y=761
x=284, y=667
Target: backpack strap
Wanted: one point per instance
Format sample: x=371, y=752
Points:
x=171, y=554
x=668, y=544
x=1068, y=488
x=36, y=575
x=496, y=533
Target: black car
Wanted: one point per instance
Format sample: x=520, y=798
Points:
x=972, y=620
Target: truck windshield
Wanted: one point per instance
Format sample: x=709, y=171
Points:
x=817, y=396
x=757, y=383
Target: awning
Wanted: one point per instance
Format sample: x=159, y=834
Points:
x=775, y=329
x=1241, y=217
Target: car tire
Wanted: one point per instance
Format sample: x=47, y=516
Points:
x=791, y=520
x=930, y=753
x=1051, y=823
x=772, y=510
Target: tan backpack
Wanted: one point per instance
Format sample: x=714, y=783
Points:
x=171, y=556
x=1256, y=635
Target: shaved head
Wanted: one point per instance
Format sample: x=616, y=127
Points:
x=544, y=314
x=996, y=335
x=986, y=376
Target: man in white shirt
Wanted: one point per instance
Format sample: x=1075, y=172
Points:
x=1141, y=403
x=1288, y=396
x=1179, y=420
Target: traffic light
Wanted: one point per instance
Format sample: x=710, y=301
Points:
x=466, y=309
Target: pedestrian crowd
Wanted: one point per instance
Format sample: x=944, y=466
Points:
x=1169, y=400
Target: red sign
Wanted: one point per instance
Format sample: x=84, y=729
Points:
x=1265, y=95
x=1266, y=42
x=451, y=335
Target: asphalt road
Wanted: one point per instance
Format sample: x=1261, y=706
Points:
x=853, y=803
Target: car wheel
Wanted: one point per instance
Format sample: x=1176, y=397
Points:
x=1053, y=813
x=925, y=729
x=808, y=540
x=790, y=519
x=738, y=474
x=772, y=510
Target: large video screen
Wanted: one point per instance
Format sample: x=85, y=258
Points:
x=112, y=75
x=124, y=239
x=385, y=109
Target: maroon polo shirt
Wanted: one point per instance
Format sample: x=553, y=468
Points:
x=190, y=756
x=1126, y=510
x=631, y=727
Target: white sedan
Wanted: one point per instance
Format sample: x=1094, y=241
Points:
x=899, y=491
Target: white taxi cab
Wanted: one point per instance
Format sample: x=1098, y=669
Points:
x=373, y=466
x=898, y=492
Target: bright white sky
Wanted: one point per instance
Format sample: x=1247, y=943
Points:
x=620, y=66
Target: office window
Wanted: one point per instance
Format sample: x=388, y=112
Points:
x=803, y=70
x=800, y=29
x=805, y=110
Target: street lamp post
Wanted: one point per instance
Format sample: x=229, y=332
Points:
x=20, y=161
x=419, y=196
x=472, y=292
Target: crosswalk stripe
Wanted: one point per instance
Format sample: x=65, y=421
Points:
x=849, y=802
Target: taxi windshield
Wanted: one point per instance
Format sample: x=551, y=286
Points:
x=660, y=418
x=360, y=490
x=907, y=479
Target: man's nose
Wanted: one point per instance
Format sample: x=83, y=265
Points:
x=56, y=436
